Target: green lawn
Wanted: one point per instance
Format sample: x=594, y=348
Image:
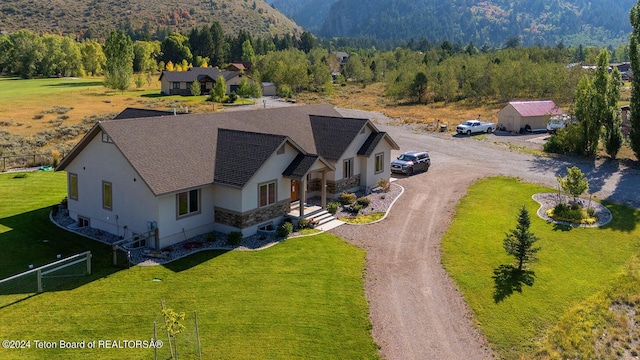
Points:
x=303, y=298
x=12, y=89
x=574, y=264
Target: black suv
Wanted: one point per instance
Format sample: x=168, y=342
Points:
x=411, y=162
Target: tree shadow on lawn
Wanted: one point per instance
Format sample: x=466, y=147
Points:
x=194, y=260
x=33, y=240
x=77, y=84
x=562, y=227
x=624, y=218
x=508, y=279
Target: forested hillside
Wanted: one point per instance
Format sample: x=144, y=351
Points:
x=587, y=22
x=146, y=18
x=310, y=14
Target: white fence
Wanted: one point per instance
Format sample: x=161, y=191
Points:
x=48, y=276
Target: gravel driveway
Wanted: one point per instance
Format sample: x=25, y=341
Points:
x=416, y=311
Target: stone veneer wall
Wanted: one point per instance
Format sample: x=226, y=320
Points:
x=336, y=187
x=314, y=185
x=253, y=217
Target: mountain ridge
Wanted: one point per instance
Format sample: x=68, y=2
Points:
x=96, y=18
x=491, y=22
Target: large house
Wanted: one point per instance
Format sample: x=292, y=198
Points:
x=186, y=175
x=179, y=82
x=527, y=115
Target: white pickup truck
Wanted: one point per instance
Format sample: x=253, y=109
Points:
x=475, y=126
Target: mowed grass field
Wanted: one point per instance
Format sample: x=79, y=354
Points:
x=575, y=267
x=21, y=101
x=303, y=298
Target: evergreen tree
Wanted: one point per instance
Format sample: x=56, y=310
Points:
x=248, y=54
x=634, y=56
x=519, y=241
x=118, y=50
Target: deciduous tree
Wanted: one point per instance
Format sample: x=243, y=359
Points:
x=575, y=183
x=118, y=50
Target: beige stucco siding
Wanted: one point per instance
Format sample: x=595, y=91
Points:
x=352, y=153
x=133, y=203
x=369, y=177
x=272, y=169
x=172, y=229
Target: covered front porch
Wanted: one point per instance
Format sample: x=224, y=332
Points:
x=306, y=169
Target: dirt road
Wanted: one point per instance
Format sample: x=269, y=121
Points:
x=416, y=311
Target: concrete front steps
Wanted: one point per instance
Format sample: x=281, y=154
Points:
x=325, y=221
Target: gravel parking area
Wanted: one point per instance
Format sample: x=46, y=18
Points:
x=416, y=310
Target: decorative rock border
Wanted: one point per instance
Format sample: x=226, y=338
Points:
x=549, y=200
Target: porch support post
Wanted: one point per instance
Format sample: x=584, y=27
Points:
x=303, y=194
x=323, y=190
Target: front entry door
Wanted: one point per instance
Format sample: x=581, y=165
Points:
x=295, y=196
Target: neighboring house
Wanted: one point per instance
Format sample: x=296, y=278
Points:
x=232, y=171
x=532, y=115
x=268, y=89
x=179, y=82
x=243, y=66
x=342, y=57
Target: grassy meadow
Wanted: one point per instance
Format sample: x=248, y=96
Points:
x=303, y=298
x=576, y=267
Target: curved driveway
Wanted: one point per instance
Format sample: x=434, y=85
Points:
x=416, y=310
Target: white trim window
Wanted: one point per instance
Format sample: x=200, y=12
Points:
x=106, y=138
x=188, y=203
x=73, y=186
x=347, y=168
x=107, y=196
x=379, y=163
x=267, y=193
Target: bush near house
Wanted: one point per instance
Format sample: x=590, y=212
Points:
x=347, y=198
x=234, y=238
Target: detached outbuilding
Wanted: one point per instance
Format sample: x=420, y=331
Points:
x=528, y=115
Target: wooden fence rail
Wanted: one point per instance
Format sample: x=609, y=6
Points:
x=8, y=162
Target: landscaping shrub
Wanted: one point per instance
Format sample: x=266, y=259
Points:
x=347, y=198
x=305, y=224
x=563, y=211
x=384, y=184
x=364, y=201
x=285, y=229
x=232, y=98
x=332, y=207
x=211, y=237
x=356, y=208
x=234, y=238
x=564, y=141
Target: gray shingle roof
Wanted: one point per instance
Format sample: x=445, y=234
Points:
x=174, y=153
x=133, y=113
x=300, y=166
x=240, y=154
x=371, y=143
x=333, y=135
x=198, y=73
